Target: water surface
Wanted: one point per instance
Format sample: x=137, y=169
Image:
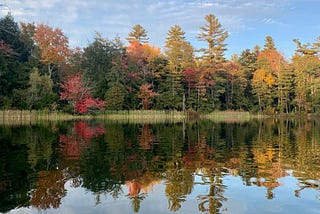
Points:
x=264, y=166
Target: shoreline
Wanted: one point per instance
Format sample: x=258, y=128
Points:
x=152, y=116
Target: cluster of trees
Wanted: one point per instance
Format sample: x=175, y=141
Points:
x=40, y=71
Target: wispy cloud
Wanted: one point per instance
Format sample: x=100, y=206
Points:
x=80, y=18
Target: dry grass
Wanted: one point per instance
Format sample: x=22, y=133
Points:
x=230, y=116
x=24, y=117
x=143, y=116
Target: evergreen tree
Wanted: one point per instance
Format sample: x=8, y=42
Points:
x=13, y=63
x=269, y=43
x=39, y=93
x=178, y=51
x=306, y=67
x=180, y=55
x=102, y=64
x=115, y=97
x=214, y=35
x=248, y=66
x=138, y=34
x=272, y=63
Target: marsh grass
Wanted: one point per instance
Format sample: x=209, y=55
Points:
x=24, y=117
x=231, y=116
x=143, y=116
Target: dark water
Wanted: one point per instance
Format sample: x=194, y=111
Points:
x=199, y=167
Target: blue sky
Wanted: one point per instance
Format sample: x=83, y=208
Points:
x=247, y=21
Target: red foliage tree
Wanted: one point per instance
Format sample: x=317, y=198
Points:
x=146, y=94
x=78, y=94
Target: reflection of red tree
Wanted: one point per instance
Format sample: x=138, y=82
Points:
x=86, y=132
x=70, y=147
x=72, y=144
x=199, y=154
x=146, y=139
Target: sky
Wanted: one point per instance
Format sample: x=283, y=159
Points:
x=247, y=21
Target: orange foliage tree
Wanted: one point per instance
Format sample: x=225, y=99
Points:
x=53, y=46
x=262, y=83
x=142, y=55
x=50, y=190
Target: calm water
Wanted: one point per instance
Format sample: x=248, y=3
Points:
x=199, y=167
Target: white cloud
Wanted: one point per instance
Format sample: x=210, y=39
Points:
x=80, y=18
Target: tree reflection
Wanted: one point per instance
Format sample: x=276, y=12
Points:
x=146, y=138
x=134, y=188
x=212, y=202
x=180, y=156
x=80, y=136
x=179, y=183
x=49, y=190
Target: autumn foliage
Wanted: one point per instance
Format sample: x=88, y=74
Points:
x=146, y=94
x=79, y=95
x=53, y=44
x=73, y=143
x=140, y=52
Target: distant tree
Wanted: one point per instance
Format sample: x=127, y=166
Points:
x=262, y=83
x=14, y=66
x=115, y=97
x=236, y=85
x=214, y=35
x=53, y=46
x=27, y=37
x=272, y=61
x=247, y=61
x=103, y=63
x=269, y=43
x=146, y=94
x=306, y=67
x=39, y=93
x=179, y=52
x=138, y=34
x=139, y=58
x=79, y=95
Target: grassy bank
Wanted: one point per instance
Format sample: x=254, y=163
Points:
x=143, y=116
x=231, y=116
x=21, y=117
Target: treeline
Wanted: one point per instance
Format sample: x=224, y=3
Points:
x=38, y=70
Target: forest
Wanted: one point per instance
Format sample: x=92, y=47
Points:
x=39, y=71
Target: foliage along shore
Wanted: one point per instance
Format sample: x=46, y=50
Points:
x=25, y=117
x=38, y=70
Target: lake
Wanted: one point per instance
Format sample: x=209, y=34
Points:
x=258, y=166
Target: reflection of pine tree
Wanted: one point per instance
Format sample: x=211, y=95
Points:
x=136, y=201
x=212, y=202
x=134, y=194
x=179, y=184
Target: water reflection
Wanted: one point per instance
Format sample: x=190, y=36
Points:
x=192, y=167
